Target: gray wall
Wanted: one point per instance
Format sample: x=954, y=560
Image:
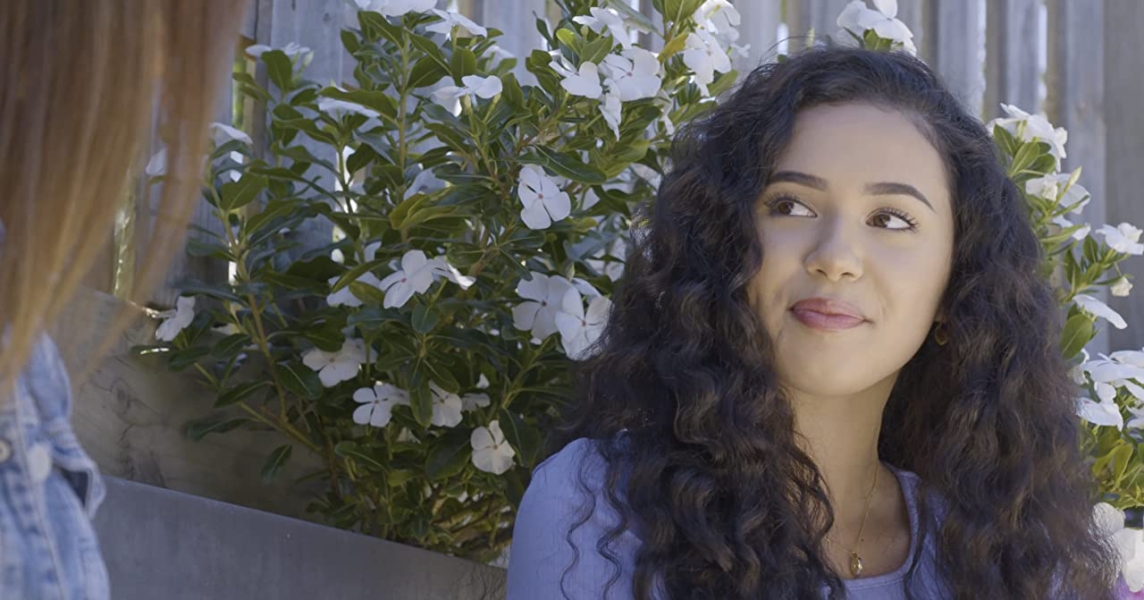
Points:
x=163, y=544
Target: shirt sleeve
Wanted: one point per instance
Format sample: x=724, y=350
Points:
x=541, y=554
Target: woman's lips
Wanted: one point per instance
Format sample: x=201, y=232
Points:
x=825, y=322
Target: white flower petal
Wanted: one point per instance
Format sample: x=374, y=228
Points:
x=1099, y=309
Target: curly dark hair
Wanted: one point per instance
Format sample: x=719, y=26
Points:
x=728, y=499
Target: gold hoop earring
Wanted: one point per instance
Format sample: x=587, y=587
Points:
x=939, y=334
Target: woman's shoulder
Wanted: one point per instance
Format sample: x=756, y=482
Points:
x=562, y=519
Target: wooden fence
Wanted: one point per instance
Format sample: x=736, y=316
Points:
x=1076, y=60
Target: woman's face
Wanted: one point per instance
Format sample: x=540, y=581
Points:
x=858, y=211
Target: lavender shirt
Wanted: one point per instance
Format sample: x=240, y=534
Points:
x=552, y=502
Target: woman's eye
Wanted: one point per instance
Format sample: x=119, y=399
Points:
x=884, y=217
x=789, y=207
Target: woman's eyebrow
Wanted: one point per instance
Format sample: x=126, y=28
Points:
x=881, y=188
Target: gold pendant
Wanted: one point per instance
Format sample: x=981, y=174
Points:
x=855, y=564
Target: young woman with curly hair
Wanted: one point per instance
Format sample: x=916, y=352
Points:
x=831, y=369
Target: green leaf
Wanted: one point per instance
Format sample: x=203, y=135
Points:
x=426, y=71
x=181, y=359
x=275, y=462
x=236, y=194
x=399, y=216
x=421, y=398
x=463, y=63
x=240, y=393
x=279, y=69
x=523, y=438
x=367, y=293
x=512, y=91
x=319, y=268
x=229, y=347
x=677, y=44
x=349, y=449
x=1009, y=144
x=449, y=455
x=566, y=166
x=217, y=292
x=424, y=319
x=379, y=101
x=299, y=380
x=632, y=151
x=678, y=10
x=1077, y=332
x=198, y=247
x=350, y=41
x=196, y=431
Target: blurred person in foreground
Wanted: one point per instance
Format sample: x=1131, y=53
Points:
x=80, y=83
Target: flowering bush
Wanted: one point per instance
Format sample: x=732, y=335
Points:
x=479, y=225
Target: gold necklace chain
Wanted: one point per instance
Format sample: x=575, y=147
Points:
x=855, y=559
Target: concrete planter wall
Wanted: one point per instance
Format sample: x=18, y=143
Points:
x=160, y=543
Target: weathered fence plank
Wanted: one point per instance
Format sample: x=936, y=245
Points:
x=1012, y=46
x=759, y=27
x=1075, y=99
x=1124, y=138
x=954, y=45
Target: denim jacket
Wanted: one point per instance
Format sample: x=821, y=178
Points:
x=49, y=491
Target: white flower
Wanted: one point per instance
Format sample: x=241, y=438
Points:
x=337, y=108
x=1097, y=308
x=426, y=180
x=446, y=407
x=396, y=8
x=1128, y=357
x=1123, y=238
x=482, y=382
x=1137, y=419
x=491, y=453
x=1033, y=127
x=1129, y=542
x=414, y=277
x=577, y=330
x=1063, y=223
x=720, y=17
x=1077, y=371
x=471, y=402
x=704, y=56
x=377, y=403
x=441, y=267
x=336, y=367
x=292, y=50
x=585, y=288
x=612, y=110
x=452, y=19
x=585, y=82
x=501, y=52
x=856, y=18
x=484, y=87
x=176, y=320
x=157, y=165
x=344, y=297
x=634, y=74
x=606, y=18
x=1099, y=413
x=544, y=202
x=1121, y=287
x=1104, y=370
x=545, y=295
x=1048, y=187
x=225, y=133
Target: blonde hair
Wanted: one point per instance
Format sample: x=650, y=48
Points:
x=79, y=86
